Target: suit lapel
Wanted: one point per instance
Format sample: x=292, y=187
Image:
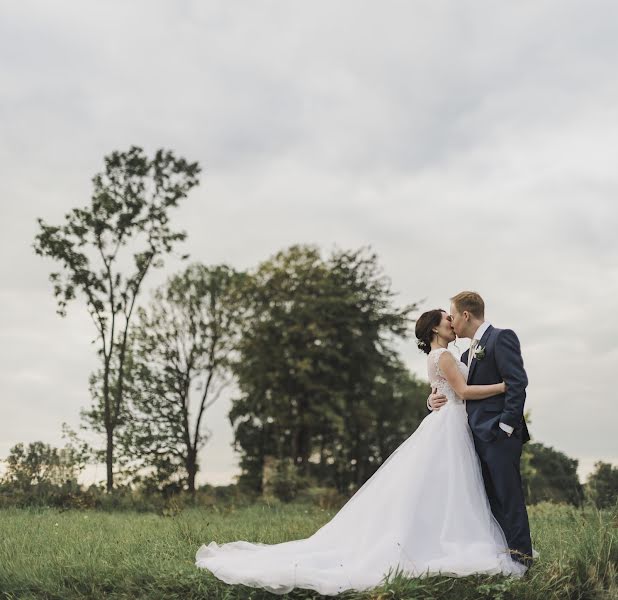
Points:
x=464, y=358
x=482, y=342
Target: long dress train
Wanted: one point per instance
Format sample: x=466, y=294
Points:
x=423, y=512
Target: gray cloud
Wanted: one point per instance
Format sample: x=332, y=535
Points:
x=471, y=144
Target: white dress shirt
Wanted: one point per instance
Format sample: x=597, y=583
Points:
x=483, y=327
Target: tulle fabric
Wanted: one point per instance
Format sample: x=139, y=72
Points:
x=423, y=512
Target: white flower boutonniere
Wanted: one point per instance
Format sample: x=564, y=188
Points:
x=479, y=353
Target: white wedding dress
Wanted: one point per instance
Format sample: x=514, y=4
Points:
x=423, y=512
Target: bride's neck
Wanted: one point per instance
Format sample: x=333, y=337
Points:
x=438, y=344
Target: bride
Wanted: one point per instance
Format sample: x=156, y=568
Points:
x=423, y=512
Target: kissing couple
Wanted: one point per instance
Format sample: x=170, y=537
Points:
x=448, y=501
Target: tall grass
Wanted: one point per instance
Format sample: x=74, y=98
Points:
x=67, y=555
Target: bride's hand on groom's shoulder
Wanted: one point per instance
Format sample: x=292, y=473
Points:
x=435, y=400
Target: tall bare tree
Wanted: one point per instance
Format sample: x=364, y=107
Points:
x=105, y=251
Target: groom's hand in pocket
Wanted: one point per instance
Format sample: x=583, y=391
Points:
x=435, y=400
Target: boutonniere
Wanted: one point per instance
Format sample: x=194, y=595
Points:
x=479, y=353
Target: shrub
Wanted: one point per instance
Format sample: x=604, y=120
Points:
x=327, y=498
x=283, y=481
x=602, y=485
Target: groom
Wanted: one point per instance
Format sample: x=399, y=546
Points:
x=497, y=423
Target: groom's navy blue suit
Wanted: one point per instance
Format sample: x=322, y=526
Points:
x=500, y=454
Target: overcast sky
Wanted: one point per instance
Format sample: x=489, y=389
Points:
x=472, y=145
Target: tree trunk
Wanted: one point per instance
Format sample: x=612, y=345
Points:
x=191, y=471
x=109, y=459
x=109, y=430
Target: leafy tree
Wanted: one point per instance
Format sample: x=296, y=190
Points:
x=602, y=485
x=375, y=377
x=129, y=211
x=315, y=350
x=550, y=476
x=39, y=463
x=528, y=471
x=399, y=406
x=183, y=343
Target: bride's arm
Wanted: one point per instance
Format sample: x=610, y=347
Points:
x=456, y=380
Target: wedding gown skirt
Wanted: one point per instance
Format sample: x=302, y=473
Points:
x=423, y=512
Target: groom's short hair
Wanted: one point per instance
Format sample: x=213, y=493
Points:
x=470, y=301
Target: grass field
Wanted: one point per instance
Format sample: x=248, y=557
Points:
x=85, y=554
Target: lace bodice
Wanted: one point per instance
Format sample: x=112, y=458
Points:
x=437, y=379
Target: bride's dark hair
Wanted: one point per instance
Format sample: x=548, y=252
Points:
x=424, y=328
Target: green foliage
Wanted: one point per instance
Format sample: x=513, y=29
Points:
x=39, y=463
x=42, y=475
x=129, y=211
x=316, y=367
x=322, y=497
x=602, y=485
x=286, y=481
x=550, y=475
x=69, y=494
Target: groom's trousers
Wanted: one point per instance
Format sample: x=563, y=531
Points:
x=500, y=460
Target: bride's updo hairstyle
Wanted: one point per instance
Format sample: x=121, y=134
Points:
x=425, y=325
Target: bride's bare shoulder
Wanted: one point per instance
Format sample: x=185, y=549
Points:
x=445, y=355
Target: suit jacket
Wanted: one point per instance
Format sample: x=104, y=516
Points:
x=502, y=362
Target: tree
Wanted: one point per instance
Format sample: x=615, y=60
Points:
x=375, y=375
x=602, y=485
x=315, y=349
x=39, y=463
x=183, y=344
x=550, y=475
x=129, y=211
x=399, y=407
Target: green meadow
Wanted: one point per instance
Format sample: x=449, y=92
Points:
x=46, y=553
